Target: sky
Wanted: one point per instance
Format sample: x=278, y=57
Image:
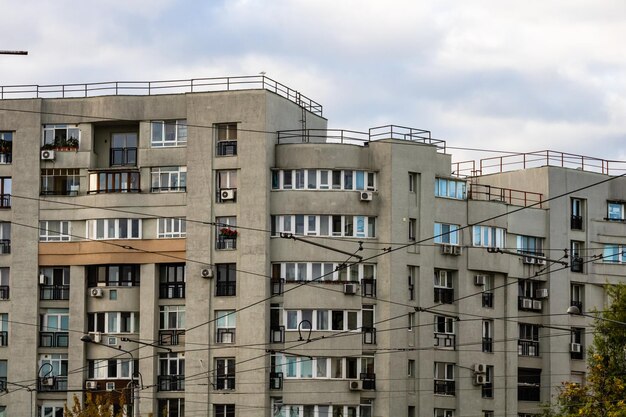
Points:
x=488, y=74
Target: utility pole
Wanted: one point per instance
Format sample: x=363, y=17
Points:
x=13, y=52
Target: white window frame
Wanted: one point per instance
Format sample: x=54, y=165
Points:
x=488, y=236
x=171, y=179
x=171, y=227
x=92, y=228
x=47, y=231
x=180, y=134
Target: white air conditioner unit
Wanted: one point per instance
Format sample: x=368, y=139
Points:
x=575, y=347
x=480, y=279
x=480, y=368
x=47, y=155
x=96, y=337
x=91, y=384
x=536, y=305
x=541, y=293
x=48, y=381
x=227, y=194
x=480, y=379
x=366, y=196
x=349, y=289
x=42, y=279
x=527, y=303
x=111, y=340
x=97, y=292
x=356, y=385
x=206, y=272
x=457, y=250
x=446, y=249
x=110, y=386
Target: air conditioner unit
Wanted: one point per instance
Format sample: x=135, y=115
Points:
x=91, y=384
x=356, y=385
x=480, y=368
x=541, y=293
x=97, y=292
x=47, y=382
x=527, y=303
x=480, y=279
x=206, y=272
x=227, y=194
x=96, y=337
x=349, y=289
x=575, y=347
x=366, y=196
x=112, y=340
x=536, y=305
x=110, y=386
x=47, y=155
x=42, y=279
x=480, y=379
x=446, y=249
x=457, y=250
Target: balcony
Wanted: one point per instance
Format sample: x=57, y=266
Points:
x=527, y=348
x=487, y=344
x=224, y=289
x=54, y=292
x=444, y=387
x=4, y=338
x=226, y=242
x=368, y=287
x=52, y=383
x=369, y=380
x=53, y=339
x=171, y=382
x=227, y=148
x=5, y=246
x=576, y=223
x=487, y=299
x=277, y=334
x=4, y=292
x=171, y=337
x=225, y=335
x=123, y=157
x=172, y=290
x=444, y=295
x=5, y=201
x=276, y=380
x=445, y=340
x=225, y=382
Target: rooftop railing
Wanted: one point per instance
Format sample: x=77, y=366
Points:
x=193, y=85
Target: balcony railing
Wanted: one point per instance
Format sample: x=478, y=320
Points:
x=171, y=382
x=276, y=380
x=171, y=337
x=369, y=380
x=4, y=338
x=278, y=285
x=528, y=348
x=368, y=287
x=52, y=383
x=225, y=335
x=576, y=222
x=54, y=292
x=4, y=292
x=277, y=334
x=487, y=344
x=5, y=246
x=224, y=242
x=172, y=290
x=225, y=382
x=227, y=148
x=444, y=295
x=444, y=387
x=445, y=340
x=487, y=299
x=5, y=200
x=53, y=339
x=225, y=288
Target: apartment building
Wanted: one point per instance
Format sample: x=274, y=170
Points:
x=214, y=250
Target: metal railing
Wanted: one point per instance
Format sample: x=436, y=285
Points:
x=194, y=85
x=511, y=196
x=54, y=292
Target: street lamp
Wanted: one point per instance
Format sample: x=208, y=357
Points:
x=575, y=311
x=134, y=398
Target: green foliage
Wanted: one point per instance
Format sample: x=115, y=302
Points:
x=603, y=394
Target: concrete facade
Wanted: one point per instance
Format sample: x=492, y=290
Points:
x=250, y=322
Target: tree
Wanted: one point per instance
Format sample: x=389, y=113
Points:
x=96, y=405
x=604, y=393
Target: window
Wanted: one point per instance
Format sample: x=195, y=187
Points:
x=60, y=181
x=110, y=368
x=171, y=227
x=447, y=233
x=226, y=139
x=224, y=373
x=488, y=237
x=576, y=222
x=615, y=210
x=224, y=410
x=5, y=192
x=4, y=283
x=168, y=179
x=168, y=133
x=172, y=317
x=530, y=245
x=487, y=387
x=171, y=371
x=450, y=188
x=54, y=231
x=60, y=136
x=225, y=324
x=173, y=407
x=444, y=378
x=226, y=186
x=124, y=275
x=114, y=182
x=528, y=384
x=577, y=348
x=487, y=336
x=613, y=254
x=335, y=225
x=528, y=343
x=443, y=287
x=114, y=229
x=226, y=283
x=5, y=237
x=112, y=322
x=171, y=281
x=412, y=229
x=6, y=150
x=53, y=365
